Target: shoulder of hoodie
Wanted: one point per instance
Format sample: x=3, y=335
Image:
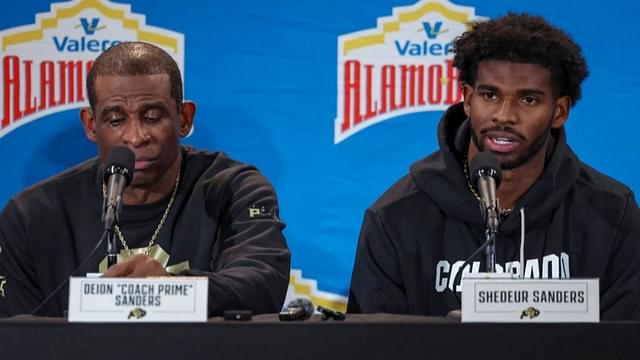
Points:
x=406, y=194
x=597, y=182
x=219, y=168
x=69, y=181
x=213, y=162
x=72, y=179
x=401, y=195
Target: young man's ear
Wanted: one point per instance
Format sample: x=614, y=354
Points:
x=187, y=114
x=561, y=114
x=467, y=92
x=88, y=123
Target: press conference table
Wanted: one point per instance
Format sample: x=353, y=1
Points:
x=376, y=336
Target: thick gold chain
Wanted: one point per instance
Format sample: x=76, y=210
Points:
x=163, y=219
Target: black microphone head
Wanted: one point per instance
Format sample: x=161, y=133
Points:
x=485, y=164
x=120, y=160
x=307, y=305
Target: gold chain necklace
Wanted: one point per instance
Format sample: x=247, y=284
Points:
x=147, y=249
x=503, y=212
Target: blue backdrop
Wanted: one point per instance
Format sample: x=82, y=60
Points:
x=265, y=77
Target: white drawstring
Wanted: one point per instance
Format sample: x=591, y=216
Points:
x=522, y=242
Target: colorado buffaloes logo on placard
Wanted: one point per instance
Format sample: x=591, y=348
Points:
x=402, y=66
x=529, y=313
x=137, y=313
x=44, y=65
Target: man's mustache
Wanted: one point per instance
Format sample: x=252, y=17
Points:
x=506, y=129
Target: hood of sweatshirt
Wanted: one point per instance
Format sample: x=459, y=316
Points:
x=441, y=176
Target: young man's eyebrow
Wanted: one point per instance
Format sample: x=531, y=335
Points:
x=532, y=91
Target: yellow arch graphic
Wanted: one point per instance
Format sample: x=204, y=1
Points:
x=393, y=26
x=51, y=22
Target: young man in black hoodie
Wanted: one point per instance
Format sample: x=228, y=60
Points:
x=521, y=76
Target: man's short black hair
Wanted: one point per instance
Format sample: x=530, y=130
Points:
x=523, y=38
x=135, y=58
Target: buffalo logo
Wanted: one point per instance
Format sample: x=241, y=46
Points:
x=3, y=282
x=137, y=313
x=530, y=313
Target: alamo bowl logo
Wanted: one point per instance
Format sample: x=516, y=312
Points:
x=44, y=65
x=402, y=66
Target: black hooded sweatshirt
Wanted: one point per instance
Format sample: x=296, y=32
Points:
x=414, y=239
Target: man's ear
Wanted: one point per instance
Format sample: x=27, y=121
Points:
x=186, y=115
x=467, y=91
x=88, y=123
x=561, y=114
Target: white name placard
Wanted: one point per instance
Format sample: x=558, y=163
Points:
x=530, y=300
x=164, y=299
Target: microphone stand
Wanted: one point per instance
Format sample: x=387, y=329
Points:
x=492, y=222
x=112, y=248
x=110, y=219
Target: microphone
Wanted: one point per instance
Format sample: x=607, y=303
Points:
x=117, y=175
x=486, y=177
x=331, y=314
x=298, y=309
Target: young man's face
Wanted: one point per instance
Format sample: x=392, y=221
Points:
x=138, y=112
x=512, y=108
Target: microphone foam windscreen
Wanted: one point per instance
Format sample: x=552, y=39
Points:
x=121, y=160
x=303, y=303
x=485, y=164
